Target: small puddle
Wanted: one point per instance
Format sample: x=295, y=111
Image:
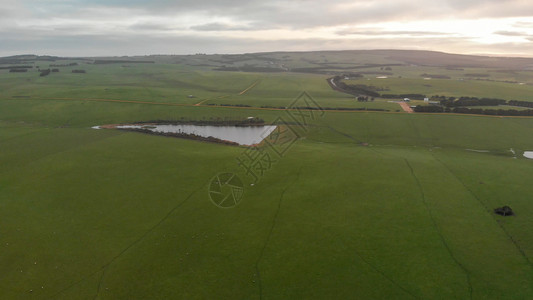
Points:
x=242, y=135
x=528, y=154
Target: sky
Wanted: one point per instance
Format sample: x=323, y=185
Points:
x=134, y=27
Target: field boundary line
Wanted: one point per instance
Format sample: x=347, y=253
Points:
x=104, y=268
x=371, y=265
x=260, y=108
x=227, y=96
x=250, y=87
x=437, y=228
x=141, y=238
x=208, y=99
x=270, y=233
x=360, y=256
x=509, y=236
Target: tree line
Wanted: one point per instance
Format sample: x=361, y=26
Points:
x=357, y=90
x=64, y=65
x=473, y=111
x=362, y=90
x=468, y=101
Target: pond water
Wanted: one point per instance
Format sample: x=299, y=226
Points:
x=528, y=154
x=249, y=135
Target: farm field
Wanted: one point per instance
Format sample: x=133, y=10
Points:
x=450, y=87
x=364, y=204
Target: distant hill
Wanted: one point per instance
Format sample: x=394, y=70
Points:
x=313, y=62
x=441, y=59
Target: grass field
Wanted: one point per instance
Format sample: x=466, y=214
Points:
x=365, y=205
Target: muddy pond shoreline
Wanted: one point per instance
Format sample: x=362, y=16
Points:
x=248, y=133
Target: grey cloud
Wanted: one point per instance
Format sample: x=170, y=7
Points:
x=99, y=34
x=148, y=26
x=492, y=8
x=523, y=24
x=141, y=44
x=311, y=13
x=511, y=33
x=4, y=13
x=298, y=14
x=268, y=14
x=524, y=35
x=220, y=27
x=385, y=32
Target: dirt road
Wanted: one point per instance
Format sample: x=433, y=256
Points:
x=405, y=106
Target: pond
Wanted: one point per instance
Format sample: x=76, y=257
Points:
x=528, y=154
x=242, y=135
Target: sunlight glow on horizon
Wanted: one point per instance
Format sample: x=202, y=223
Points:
x=101, y=28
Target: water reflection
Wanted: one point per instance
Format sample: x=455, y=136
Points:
x=243, y=135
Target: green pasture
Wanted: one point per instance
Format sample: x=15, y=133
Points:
x=451, y=87
x=364, y=205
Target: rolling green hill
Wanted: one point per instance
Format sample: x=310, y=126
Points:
x=364, y=205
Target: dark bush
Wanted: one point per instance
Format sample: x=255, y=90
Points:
x=44, y=72
x=504, y=211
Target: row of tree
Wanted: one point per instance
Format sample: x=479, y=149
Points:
x=448, y=104
x=400, y=96
x=339, y=108
x=233, y=105
x=64, y=65
x=182, y=135
x=520, y=103
x=365, y=98
x=362, y=90
x=356, y=90
x=474, y=101
x=470, y=101
x=473, y=111
x=226, y=121
x=16, y=67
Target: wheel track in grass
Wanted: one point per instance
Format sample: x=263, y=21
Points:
x=140, y=239
x=208, y=99
x=344, y=134
x=437, y=228
x=432, y=219
x=511, y=238
x=104, y=268
x=376, y=269
x=269, y=235
x=250, y=87
x=227, y=96
x=362, y=258
x=488, y=210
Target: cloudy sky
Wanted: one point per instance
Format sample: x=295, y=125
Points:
x=135, y=27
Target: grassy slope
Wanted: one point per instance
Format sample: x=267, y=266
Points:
x=407, y=217
x=450, y=87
